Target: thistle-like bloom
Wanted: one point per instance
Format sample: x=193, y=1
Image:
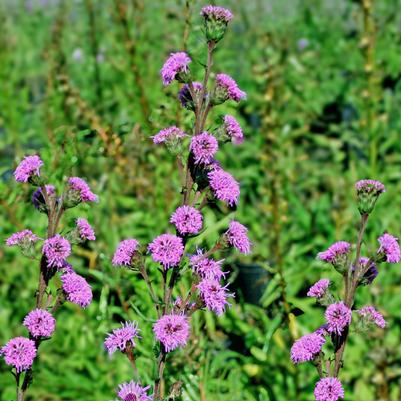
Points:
x=370, y=186
x=24, y=237
x=335, y=252
x=328, y=389
x=368, y=192
x=56, y=249
x=318, y=290
x=19, y=352
x=167, y=249
x=132, y=391
x=237, y=237
x=227, y=88
x=175, y=66
x=372, y=315
x=172, y=331
x=389, y=248
x=338, y=317
x=38, y=199
x=85, y=230
x=218, y=13
x=76, y=289
x=28, y=167
x=214, y=295
x=206, y=267
x=125, y=252
x=307, y=347
x=204, y=146
x=122, y=338
x=168, y=134
x=185, y=97
x=82, y=188
x=224, y=186
x=233, y=129
x=187, y=220
x=40, y=323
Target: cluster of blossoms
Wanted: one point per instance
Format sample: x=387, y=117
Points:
x=20, y=352
x=340, y=313
x=205, y=182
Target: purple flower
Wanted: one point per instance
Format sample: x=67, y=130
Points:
x=125, y=252
x=233, y=129
x=206, y=267
x=37, y=197
x=328, y=389
x=76, y=289
x=172, y=331
x=167, y=249
x=372, y=315
x=371, y=273
x=82, y=188
x=204, y=146
x=214, y=295
x=217, y=13
x=307, y=347
x=370, y=186
x=40, y=323
x=28, y=167
x=85, y=230
x=174, y=67
x=25, y=237
x=56, y=249
x=224, y=186
x=238, y=238
x=168, y=134
x=389, y=248
x=132, y=391
x=19, y=352
x=187, y=220
x=122, y=338
x=338, y=317
x=318, y=290
x=185, y=97
x=334, y=252
x=227, y=88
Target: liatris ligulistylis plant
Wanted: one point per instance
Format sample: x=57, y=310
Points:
x=356, y=271
x=204, y=182
x=54, y=249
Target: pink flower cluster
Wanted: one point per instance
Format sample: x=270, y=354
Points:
x=28, y=167
x=177, y=63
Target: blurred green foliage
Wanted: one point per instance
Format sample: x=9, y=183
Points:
x=79, y=84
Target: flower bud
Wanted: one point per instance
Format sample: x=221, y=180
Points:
x=368, y=192
x=38, y=199
x=216, y=21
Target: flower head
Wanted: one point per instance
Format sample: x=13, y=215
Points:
x=370, y=186
x=307, y=347
x=204, y=146
x=224, y=186
x=167, y=249
x=237, y=237
x=187, y=220
x=185, y=97
x=372, y=315
x=227, y=88
x=328, y=389
x=38, y=200
x=336, y=250
x=56, y=249
x=214, y=295
x=172, y=331
x=28, y=167
x=338, y=317
x=21, y=238
x=318, y=290
x=85, y=230
x=133, y=391
x=122, y=338
x=370, y=274
x=168, y=134
x=76, y=289
x=216, y=20
x=19, y=352
x=40, y=323
x=125, y=252
x=82, y=189
x=233, y=129
x=368, y=192
x=206, y=267
x=175, y=67
x=389, y=248
x=216, y=12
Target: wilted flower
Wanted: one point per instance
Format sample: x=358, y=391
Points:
x=38, y=199
x=185, y=97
